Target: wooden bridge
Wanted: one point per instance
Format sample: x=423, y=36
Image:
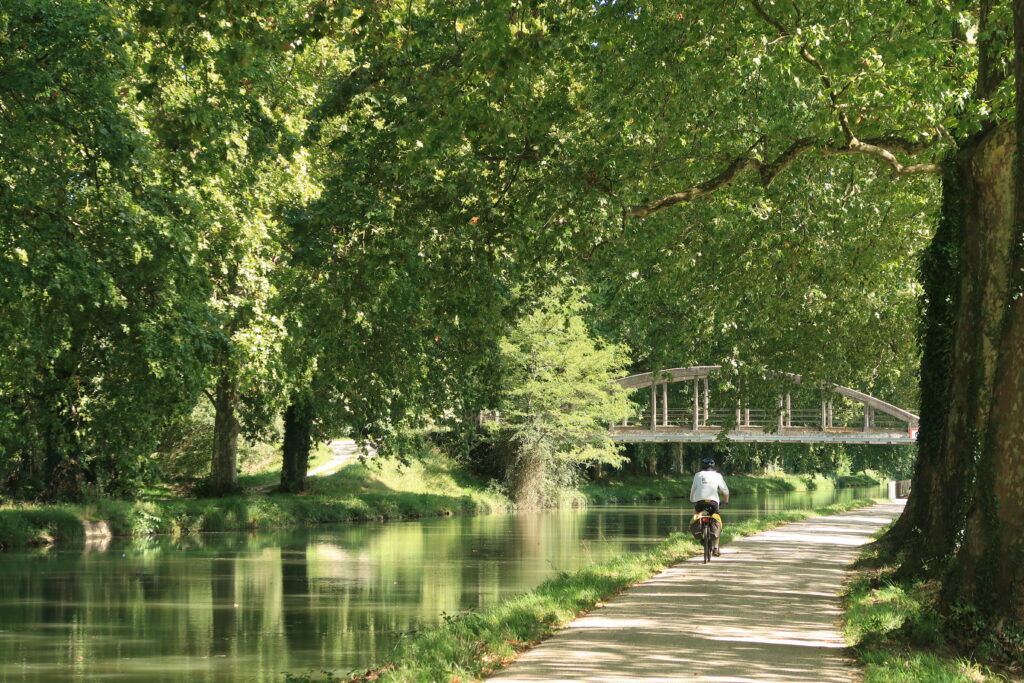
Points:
x=843, y=415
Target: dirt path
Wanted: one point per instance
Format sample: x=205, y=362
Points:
x=767, y=610
x=342, y=451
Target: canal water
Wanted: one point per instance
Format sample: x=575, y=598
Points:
x=235, y=607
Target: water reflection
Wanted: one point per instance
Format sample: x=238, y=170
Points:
x=245, y=607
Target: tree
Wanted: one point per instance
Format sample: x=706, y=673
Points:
x=558, y=398
x=101, y=337
x=228, y=93
x=416, y=257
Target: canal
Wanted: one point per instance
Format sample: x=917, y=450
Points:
x=236, y=607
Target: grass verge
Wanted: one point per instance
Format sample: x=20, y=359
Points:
x=374, y=490
x=897, y=634
x=473, y=645
x=632, y=489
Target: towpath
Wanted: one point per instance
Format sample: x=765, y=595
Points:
x=767, y=610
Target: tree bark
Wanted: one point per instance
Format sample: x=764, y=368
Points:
x=224, y=470
x=989, y=570
x=298, y=439
x=951, y=433
x=939, y=275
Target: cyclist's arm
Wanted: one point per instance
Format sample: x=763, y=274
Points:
x=724, y=489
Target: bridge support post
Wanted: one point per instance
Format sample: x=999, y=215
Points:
x=824, y=415
x=746, y=417
x=779, y=405
x=830, y=413
x=654, y=405
x=789, y=411
x=696, y=404
x=664, y=404
x=867, y=417
x=707, y=403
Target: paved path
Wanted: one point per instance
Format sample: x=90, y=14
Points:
x=767, y=610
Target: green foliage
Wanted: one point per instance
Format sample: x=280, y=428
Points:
x=637, y=488
x=558, y=398
x=101, y=337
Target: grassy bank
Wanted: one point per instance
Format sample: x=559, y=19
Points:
x=898, y=635
x=376, y=490
x=634, y=488
x=470, y=646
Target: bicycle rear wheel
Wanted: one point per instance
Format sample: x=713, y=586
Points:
x=705, y=533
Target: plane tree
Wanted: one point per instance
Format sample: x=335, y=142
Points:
x=102, y=335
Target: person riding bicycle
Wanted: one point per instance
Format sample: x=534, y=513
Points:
x=704, y=496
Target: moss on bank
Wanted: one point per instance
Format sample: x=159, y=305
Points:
x=473, y=645
x=380, y=490
x=899, y=636
x=631, y=489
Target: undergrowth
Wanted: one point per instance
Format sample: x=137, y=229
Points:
x=899, y=635
x=637, y=488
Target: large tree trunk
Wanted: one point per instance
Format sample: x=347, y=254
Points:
x=952, y=426
x=989, y=571
x=939, y=275
x=298, y=438
x=224, y=472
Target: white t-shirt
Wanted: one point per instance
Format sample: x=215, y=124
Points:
x=706, y=485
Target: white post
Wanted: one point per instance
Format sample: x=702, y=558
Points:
x=789, y=411
x=707, y=402
x=746, y=417
x=664, y=404
x=782, y=417
x=654, y=404
x=867, y=417
x=696, y=404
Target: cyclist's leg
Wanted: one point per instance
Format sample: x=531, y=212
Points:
x=716, y=526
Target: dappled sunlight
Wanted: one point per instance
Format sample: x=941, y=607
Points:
x=766, y=610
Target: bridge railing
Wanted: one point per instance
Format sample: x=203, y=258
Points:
x=807, y=418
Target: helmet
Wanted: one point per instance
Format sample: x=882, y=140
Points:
x=707, y=461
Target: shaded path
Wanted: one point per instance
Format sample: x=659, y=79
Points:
x=767, y=610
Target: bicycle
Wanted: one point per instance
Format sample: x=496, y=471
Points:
x=707, y=534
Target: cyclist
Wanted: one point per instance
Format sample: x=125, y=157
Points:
x=704, y=496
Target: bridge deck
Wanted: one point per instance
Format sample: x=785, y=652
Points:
x=757, y=435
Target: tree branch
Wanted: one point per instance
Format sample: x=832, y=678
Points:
x=736, y=167
x=783, y=31
x=856, y=146
x=881, y=147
